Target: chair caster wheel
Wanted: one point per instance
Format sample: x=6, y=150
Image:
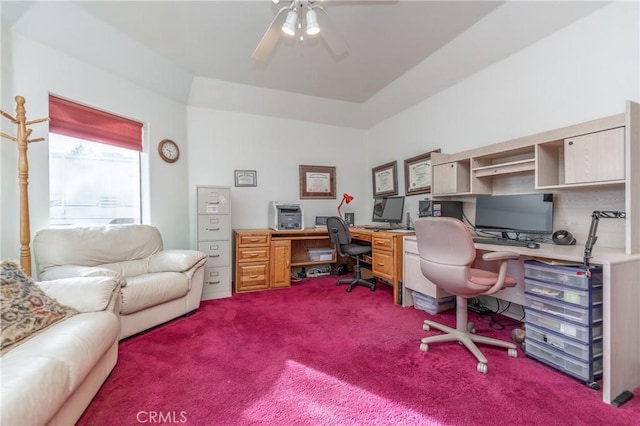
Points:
x=593, y=385
x=482, y=368
x=349, y=289
x=471, y=328
x=426, y=327
x=513, y=353
x=372, y=288
x=338, y=283
x=424, y=347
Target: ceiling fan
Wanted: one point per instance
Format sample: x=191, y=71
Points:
x=301, y=19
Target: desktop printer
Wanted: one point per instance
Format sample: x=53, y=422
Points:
x=285, y=216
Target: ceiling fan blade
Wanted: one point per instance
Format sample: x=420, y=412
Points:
x=269, y=39
x=330, y=35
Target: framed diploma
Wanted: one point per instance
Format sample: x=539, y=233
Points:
x=317, y=182
x=417, y=174
x=246, y=178
x=385, y=179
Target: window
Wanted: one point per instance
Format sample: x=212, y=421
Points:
x=94, y=167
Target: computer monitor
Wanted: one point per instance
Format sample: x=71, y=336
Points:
x=527, y=214
x=388, y=209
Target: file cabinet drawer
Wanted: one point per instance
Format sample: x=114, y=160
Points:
x=383, y=264
x=212, y=227
x=253, y=276
x=561, y=293
x=213, y=200
x=217, y=252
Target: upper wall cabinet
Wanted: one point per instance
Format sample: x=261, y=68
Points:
x=600, y=152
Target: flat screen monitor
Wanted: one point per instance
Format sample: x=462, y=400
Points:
x=388, y=209
x=528, y=213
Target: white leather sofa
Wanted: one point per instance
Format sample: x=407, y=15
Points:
x=53, y=376
x=160, y=285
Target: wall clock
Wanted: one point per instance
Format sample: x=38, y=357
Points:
x=169, y=150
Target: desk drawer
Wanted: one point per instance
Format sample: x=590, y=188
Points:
x=252, y=276
x=254, y=239
x=382, y=242
x=252, y=254
x=383, y=264
x=360, y=236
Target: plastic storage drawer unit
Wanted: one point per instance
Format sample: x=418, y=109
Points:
x=566, y=275
x=563, y=310
x=562, y=293
x=565, y=328
x=320, y=254
x=432, y=305
x=568, y=346
x=565, y=363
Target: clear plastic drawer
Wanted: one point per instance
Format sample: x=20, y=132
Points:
x=562, y=293
x=565, y=328
x=574, y=276
x=568, y=346
x=563, y=310
x=562, y=362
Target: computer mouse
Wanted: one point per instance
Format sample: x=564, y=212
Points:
x=533, y=245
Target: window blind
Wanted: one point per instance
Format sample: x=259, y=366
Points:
x=79, y=121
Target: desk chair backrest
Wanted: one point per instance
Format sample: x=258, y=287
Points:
x=446, y=253
x=338, y=233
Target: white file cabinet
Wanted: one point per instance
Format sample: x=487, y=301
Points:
x=214, y=239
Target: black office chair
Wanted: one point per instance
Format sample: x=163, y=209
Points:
x=341, y=237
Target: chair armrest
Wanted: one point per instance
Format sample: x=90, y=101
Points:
x=74, y=271
x=176, y=260
x=500, y=255
x=86, y=294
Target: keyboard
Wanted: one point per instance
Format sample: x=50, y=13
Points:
x=500, y=242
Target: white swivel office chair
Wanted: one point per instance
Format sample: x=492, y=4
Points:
x=447, y=252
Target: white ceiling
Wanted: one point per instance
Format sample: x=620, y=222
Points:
x=400, y=52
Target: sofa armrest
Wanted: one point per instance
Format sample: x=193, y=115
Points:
x=86, y=294
x=176, y=260
x=74, y=271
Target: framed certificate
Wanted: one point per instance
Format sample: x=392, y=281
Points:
x=385, y=179
x=317, y=182
x=246, y=178
x=417, y=174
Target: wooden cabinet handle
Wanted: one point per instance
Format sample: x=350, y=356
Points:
x=254, y=240
x=253, y=276
x=252, y=254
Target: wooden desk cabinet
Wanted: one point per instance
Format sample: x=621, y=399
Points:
x=264, y=257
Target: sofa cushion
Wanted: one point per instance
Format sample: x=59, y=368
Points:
x=40, y=374
x=94, y=245
x=145, y=291
x=25, y=308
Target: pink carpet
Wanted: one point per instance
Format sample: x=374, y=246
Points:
x=317, y=355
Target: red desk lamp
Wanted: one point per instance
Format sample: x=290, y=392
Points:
x=346, y=198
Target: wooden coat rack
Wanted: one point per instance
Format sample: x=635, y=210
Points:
x=22, y=139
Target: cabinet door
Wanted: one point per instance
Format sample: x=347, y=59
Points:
x=280, y=264
x=451, y=178
x=595, y=157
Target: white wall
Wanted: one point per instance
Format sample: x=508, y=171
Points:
x=37, y=71
x=585, y=71
x=221, y=142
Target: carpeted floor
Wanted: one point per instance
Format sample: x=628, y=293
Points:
x=314, y=354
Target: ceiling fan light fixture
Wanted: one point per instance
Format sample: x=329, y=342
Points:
x=289, y=26
x=312, y=22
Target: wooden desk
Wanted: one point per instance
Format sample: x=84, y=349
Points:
x=264, y=257
x=621, y=305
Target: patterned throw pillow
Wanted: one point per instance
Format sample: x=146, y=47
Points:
x=25, y=309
